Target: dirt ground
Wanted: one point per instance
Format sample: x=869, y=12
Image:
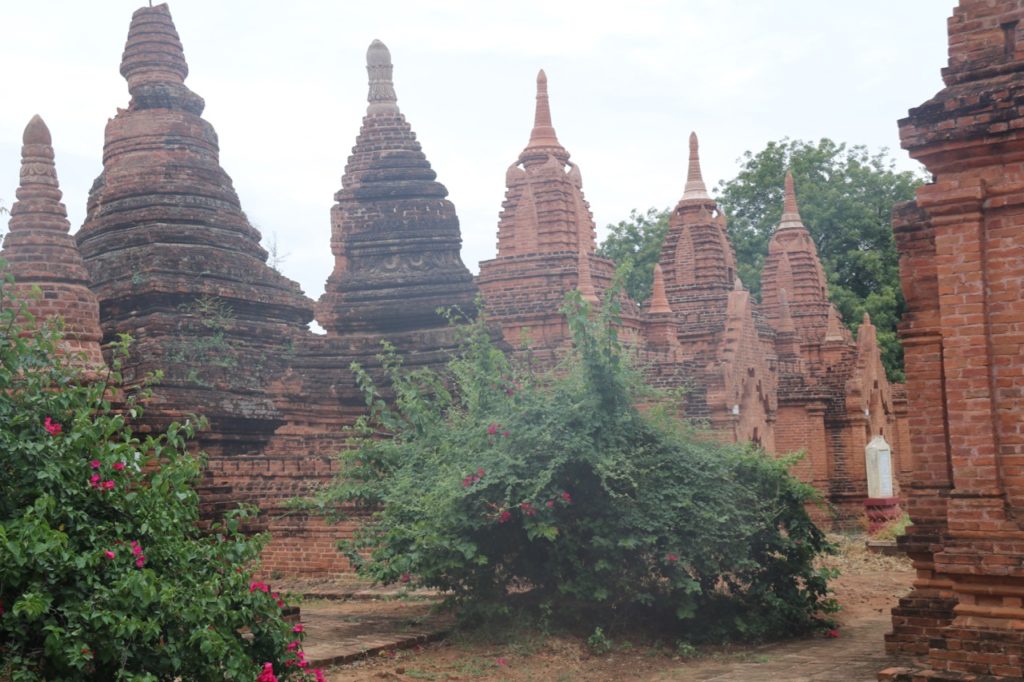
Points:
x=868, y=587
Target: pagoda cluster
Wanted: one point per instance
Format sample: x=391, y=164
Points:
x=167, y=255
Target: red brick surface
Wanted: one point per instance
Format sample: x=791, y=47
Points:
x=962, y=270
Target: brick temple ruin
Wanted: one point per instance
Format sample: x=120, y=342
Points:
x=166, y=255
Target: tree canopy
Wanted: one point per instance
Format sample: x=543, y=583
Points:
x=845, y=194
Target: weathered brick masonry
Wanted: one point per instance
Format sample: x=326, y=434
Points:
x=962, y=269
x=174, y=262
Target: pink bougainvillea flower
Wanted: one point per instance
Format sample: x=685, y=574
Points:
x=109, y=554
x=298, y=628
x=550, y=504
x=292, y=646
x=52, y=427
x=319, y=675
x=108, y=485
x=527, y=508
x=94, y=480
x=504, y=516
x=140, y=562
x=492, y=429
x=832, y=634
x=259, y=585
x=118, y=466
x=405, y=578
x=671, y=558
x=480, y=473
x=267, y=674
x=95, y=464
x=136, y=548
x=567, y=497
x=504, y=434
x=501, y=661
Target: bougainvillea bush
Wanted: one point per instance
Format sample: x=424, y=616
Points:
x=500, y=484
x=104, y=574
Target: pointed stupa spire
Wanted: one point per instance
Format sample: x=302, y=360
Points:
x=543, y=140
x=41, y=253
x=695, y=188
x=38, y=206
x=154, y=63
x=790, y=211
x=382, y=97
x=658, y=302
x=834, y=333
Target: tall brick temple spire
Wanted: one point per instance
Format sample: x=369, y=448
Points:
x=174, y=260
x=546, y=240
x=696, y=255
x=41, y=253
x=793, y=264
x=394, y=235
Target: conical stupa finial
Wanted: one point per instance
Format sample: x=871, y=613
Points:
x=543, y=133
x=154, y=64
x=153, y=51
x=38, y=196
x=382, y=97
x=658, y=302
x=695, y=188
x=833, y=333
x=790, y=211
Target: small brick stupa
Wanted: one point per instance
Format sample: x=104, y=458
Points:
x=174, y=261
x=546, y=244
x=40, y=253
x=394, y=235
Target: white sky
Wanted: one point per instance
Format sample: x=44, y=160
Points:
x=285, y=88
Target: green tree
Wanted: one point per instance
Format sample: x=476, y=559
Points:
x=634, y=244
x=104, y=572
x=846, y=196
x=504, y=487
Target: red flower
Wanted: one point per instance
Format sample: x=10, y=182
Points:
x=501, y=661
x=319, y=675
x=479, y=473
x=95, y=464
x=108, y=485
x=109, y=554
x=832, y=634
x=550, y=504
x=52, y=427
x=292, y=646
x=671, y=558
x=140, y=562
x=405, y=578
x=492, y=429
x=268, y=674
x=527, y=508
x=259, y=585
x=567, y=497
x=118, y=466
x=94, y=480
x=298, y=627
x=504, y=516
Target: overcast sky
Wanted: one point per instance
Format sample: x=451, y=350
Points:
x=285, y=88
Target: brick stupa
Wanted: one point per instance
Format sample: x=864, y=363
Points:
x=174, y=260
x=793, y=265
x=394, y=235
x=546, y=243
x=40, y=253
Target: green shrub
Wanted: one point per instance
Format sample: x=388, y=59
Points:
x=104, y=574
x=498, y=481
